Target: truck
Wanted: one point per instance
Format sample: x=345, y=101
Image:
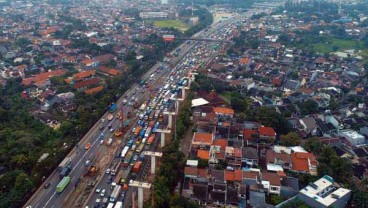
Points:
x=161, y=118
x=65, y=170
x=112, y=108
x=140, y=148
x=151, y=115
x=109, y=141
x=150, y=139
x=141, y=134
x=137, y=130
x=115, y=168
x=118, y=176
x=62, y=184
x=110, y=205
x=148, y=132
x=143, y=106
x=115, y=193
x=66, y=161
x=137, y=166
x=128, y=158
x=110, y=117
x=118, y=204
x=157, y=113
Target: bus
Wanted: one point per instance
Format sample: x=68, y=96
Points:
x=62, y=184
x=118, y=204
x=124, y=151
x=128, y=158
x=115, y=193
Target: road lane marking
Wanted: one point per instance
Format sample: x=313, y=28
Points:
x=52, y=196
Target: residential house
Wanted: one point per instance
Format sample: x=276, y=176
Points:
x=304, y=162
x=250, y=157
x=271, y=183
x=323, y=193
x=266, y=132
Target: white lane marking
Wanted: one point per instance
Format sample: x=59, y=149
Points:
x=50, y=199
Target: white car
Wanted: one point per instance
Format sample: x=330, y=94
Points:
x=98, y=189
x=108, y=171
x=102, y=192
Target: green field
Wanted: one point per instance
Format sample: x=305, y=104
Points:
x=337, y=45
x=226, y=96
x=177, y=24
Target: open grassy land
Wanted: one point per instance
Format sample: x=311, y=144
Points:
x=337, y=45
x=172, y=24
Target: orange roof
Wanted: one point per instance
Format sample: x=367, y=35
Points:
x=84, y=74
x=222, y=110
x=244, y=60
x=300, y=161
x=266, y=131
x=202, y=138
x=203, y=154
x=229, y=175
x=248, y=134
x=87, y=62
x=238, y=152
x=220, y=142
x=273, y=178
x=110, y=71
x=94, y=90
x=42, y=77
x=238, y=175
x=190, y=171
x=202, y=172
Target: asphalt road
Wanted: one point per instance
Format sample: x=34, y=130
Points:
x=49, y=197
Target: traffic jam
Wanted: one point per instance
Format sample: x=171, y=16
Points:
x=130, y=162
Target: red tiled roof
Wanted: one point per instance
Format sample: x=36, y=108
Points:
x=94, y=90
x=203, y=172
x=220, y=142
x=191, y=171
x=42, y=77
x=222, y=110
x=300, y=161
x=276, y=81
x=203, y=154
x=229, y=175
x=244, y=60
x=238, y=175
x=266, y=131
x=86, y=83
x=273, y=178
x=238, y=152
x=81, y=75
x=202, y=138
x=247, y=134
x=109, y=71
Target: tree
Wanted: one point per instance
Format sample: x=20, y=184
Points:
x=23, y=182
x=307, y=107
x=178, y=201
x=313, y=145
x=291, y=139
x=269, y=117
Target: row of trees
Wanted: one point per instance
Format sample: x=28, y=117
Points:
x=173, y=162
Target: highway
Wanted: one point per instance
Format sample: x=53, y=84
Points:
x=48, y=197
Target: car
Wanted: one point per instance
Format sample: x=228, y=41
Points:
x=98, y=189
x=88, y=162
x=47, y=185
x=108, y=170
x=87, y=146
x=102, y=141
x=102, y=127
x=135, y=158
x=112, y=130
x=109, y=126
x=109, y=179
x=103, y=192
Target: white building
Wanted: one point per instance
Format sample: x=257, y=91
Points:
x=354, y=137
x=153, y=15
x=165, y=2
x=322, y=194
